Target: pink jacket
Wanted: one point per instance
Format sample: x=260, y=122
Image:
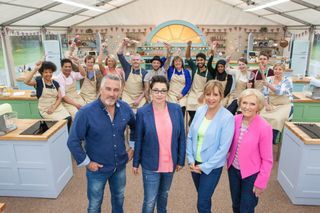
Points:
x=255, y=154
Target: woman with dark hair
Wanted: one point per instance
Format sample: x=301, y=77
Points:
x=180, y=83
x=219, y=73
x=160, y=145
x=241, y=77
x=47, y=91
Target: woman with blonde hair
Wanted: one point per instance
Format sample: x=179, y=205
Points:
x=208, y=142
x=250, y=156
x=278, y=99
x=110, y=64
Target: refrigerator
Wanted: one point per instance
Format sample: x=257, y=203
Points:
x=299, y=57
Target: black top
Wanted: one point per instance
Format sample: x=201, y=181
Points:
x=39, y=86
x=220, y=76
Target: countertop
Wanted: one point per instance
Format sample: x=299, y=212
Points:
x=304, y=80
x=301, y=98
x=23, y=124
x=300, y=134
x=26, y=96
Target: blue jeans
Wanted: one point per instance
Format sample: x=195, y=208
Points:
x=156, y=187
x=243, y=198
x=205, y=185
x=96, y=182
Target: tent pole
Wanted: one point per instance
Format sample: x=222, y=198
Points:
x=8, y=57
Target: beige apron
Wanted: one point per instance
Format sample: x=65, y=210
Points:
x=88, y=89
x=47, y=99
x=240, y=86
x=280, y=113
x=258, y=84
x=196, y=91
x=225, y=100
x=133, y=88
x=177, y=83
x=71, y=92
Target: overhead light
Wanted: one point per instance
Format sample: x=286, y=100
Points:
x=270, y=4
x=72, y=3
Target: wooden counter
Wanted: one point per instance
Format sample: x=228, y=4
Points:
x=300, y=134
x=301, y=98
x=23, y=124
x=26, y=96
x=304, y=80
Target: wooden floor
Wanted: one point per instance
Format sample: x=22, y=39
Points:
x=182, y=197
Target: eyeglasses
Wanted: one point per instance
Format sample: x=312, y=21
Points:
x=156, y=91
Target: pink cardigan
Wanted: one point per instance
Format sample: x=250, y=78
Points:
x=255, y=154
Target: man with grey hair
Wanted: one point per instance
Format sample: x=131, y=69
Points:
x=101, y=124
x=133, y=92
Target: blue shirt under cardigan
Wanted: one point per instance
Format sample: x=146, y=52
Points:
x=146, y=148
x=187, y=77
x=104, y=139
x=217, y=139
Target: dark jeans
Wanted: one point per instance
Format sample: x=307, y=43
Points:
x=183, y=111
x=233, y=107
x=156, y=187
x=191, y=114
x=205, y=185
x=243, y=198
x=96, y=182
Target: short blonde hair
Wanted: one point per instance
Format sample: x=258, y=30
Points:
x=280, y=65
x=254, y=92
x=210, y=85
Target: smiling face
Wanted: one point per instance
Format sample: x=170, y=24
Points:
x=220, y=68
x=200, y=62
x=110, y=92
x=156, y=64
x=66, y=69
x=159, y=92
x=177, y=63
x=278, y=71
x=47, y=75
x=212, y=98
x=90, y=63
x=111, y=62
x=263, y=60
x=249, y=106
x=242, y=66
x=136, y=61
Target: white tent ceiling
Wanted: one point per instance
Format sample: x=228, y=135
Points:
x=51, y=13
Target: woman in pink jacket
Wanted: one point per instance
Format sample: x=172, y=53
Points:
x=250, y=155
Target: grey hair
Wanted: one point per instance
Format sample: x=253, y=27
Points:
x=111, y=77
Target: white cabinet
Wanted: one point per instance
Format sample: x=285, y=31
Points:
x=299, y=168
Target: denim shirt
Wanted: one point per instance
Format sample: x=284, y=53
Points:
x=104, y=139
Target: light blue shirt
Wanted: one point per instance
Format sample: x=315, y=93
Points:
x=217, y=139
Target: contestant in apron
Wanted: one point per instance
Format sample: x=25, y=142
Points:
x=110, y=66
x=133, y=92
x=180, y=83
x=200, y=76
x=278, y=100
x=219, y=73
x=91, y=82
x=241, y=77
x=261, y=73
x=48, y=92
x=67, y=79
x=159, y=67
